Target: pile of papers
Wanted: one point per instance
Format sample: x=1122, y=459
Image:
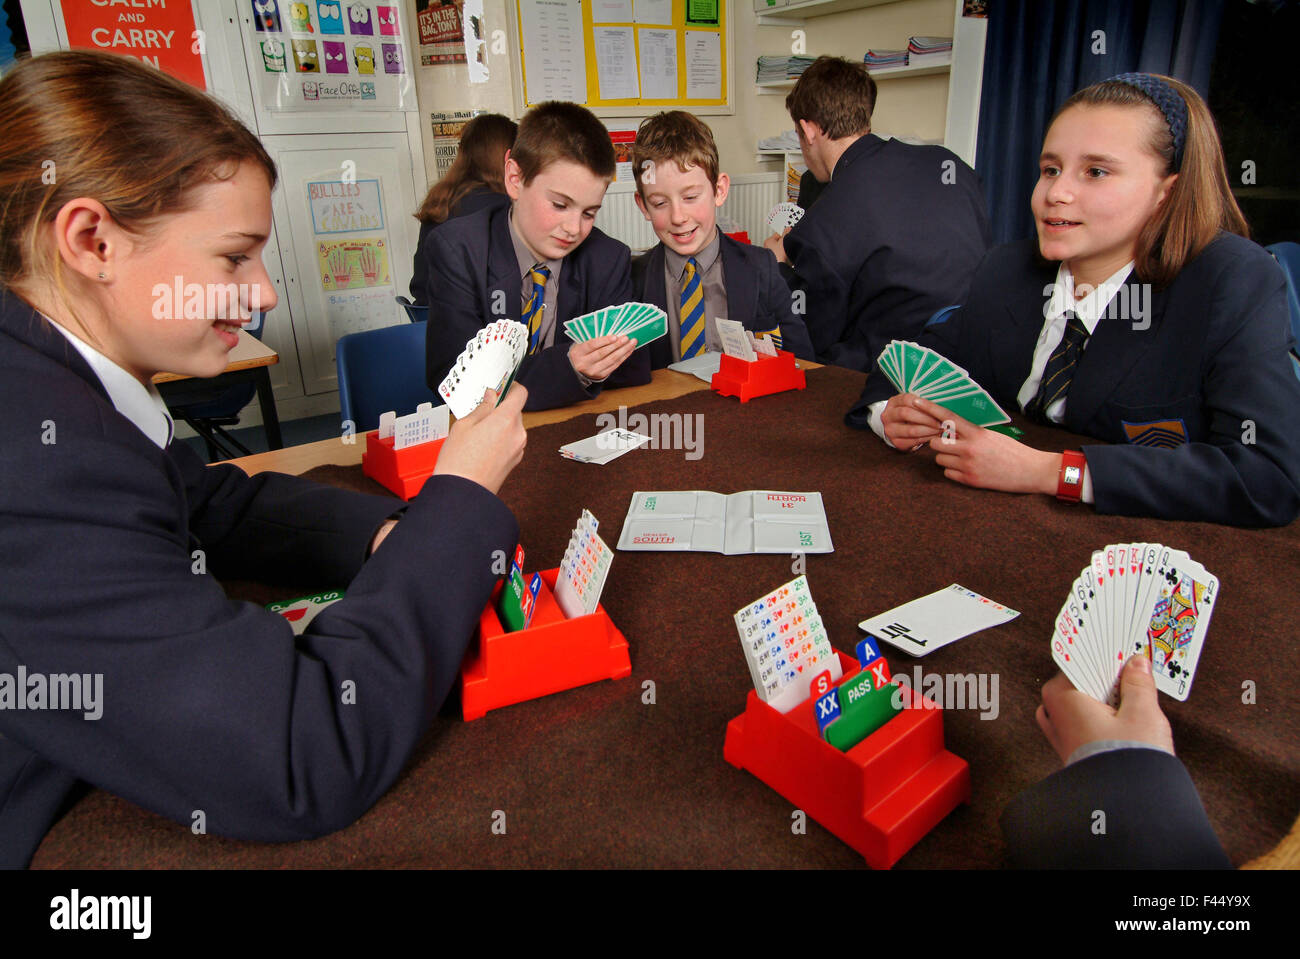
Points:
x=774, y=69
x=885, y=58
x=789, y=140
x=929, y=50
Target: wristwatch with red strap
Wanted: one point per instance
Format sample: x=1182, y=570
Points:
x=1069, y=486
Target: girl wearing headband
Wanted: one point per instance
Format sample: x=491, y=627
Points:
x=1140, y=315
x=119, y=181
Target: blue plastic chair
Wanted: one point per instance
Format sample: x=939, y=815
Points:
x=1288, y=257
x=382, y=370
x=414, y=313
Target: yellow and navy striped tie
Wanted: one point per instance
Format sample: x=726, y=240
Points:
x=532, y=315
x=692, y=312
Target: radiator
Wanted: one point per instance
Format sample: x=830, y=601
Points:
x=752, y=195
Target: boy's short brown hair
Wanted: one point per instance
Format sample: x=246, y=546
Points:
x=556, y=130
x=836, y=94
x=678, y=136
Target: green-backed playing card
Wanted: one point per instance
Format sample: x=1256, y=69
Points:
x=913, y=368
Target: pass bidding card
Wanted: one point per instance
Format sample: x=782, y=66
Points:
x=488, y=362
x=932, y=622
x=916, y=369
x=1141, y=599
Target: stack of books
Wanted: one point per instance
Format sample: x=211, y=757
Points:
x=774, y=69
x=877, y=59
x=922, y=51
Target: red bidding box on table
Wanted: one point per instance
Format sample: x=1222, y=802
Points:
x=401, y=471
x=553, y=654
x=750, y=378
x=881, y=796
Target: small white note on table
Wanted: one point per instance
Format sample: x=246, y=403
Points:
x=603, y=447
x=932, y=622
x=701, y=366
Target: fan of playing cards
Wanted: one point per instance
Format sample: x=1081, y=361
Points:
x=643, y=322
x=783, y=216
x=1135, y=598
x=917, y=369
x=488, y=362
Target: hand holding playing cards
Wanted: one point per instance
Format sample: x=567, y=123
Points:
x=776, y=243
x=597, y=359
x=987, y=459
x=1070, y=719
x=906, y=425
x=486, y=445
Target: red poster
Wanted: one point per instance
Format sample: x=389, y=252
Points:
x=160, y=34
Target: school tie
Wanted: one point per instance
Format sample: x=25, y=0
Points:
x=533, y=308
x=691, y=314
x=1059, y=372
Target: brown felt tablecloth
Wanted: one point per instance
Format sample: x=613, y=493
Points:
x=596, y=777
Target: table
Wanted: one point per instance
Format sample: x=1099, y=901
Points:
x=630, y=773
x=250, y=360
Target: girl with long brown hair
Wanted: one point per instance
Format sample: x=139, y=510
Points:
x=475, y=181
x=1140, y=315
x=118, y=185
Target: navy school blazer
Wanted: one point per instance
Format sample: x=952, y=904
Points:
x=1200, y=405
x=479, y=199
x=208, y=704
x=472, y=261
x=894, y=236
x=757, y=295
x=1050, y=825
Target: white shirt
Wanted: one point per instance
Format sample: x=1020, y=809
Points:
x=1088, y=309
x=143, y=406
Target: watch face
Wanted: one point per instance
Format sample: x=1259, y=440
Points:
x=1071, y=475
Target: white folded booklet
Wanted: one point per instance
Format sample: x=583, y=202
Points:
x=753, y=521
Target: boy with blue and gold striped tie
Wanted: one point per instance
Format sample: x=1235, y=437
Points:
x=697, y=274
x=540, y=261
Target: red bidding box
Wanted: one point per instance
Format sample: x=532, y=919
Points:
x=750, y=378
x=401, y=471
x=553, y=654
x=881, y=796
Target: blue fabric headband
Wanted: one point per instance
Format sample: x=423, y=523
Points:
x=1168, y=101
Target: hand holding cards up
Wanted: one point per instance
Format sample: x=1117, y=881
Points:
x=488, y=362
x=916, y=369
x=783, y=216
x=1135, y=599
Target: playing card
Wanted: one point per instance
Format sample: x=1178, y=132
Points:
x=783, y=216
x=912, y=368
x=932, y=622
x=1135, y=599
x=489, y=361
x=301, y=611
